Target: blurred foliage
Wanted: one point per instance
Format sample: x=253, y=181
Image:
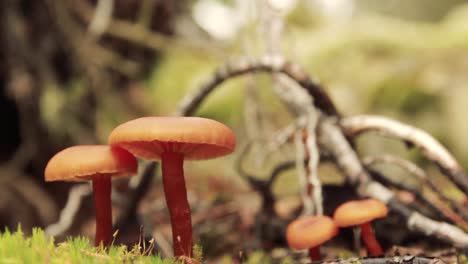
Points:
x=410, y=70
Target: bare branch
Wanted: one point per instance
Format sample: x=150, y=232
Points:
x=248, y=65
x=437, y=198
x=441, y=230
x=301, y=159
x=400, y=162
x=75, y=197
x=332, y=139
x=130, y=211
x=282, y=137
x=434, y=200
x=135, y=33
x=314, y=185
x=430, y=147
x=102, y=17
x=387, y=260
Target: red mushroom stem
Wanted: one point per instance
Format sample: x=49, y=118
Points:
x=102, y=206
x=370, y=240
x=314, y=253
x=177, y=202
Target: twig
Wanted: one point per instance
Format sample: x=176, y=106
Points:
x=163, y=243
x=387, y=260
x=37, y=197
x=314, y=186
x=406, y=165
x=301, y=160
x=264, y=187
x=281, y=137
x=389, y=182
x=430, y=147
x=190, y=103
x=437, y=198
x=130, y=211
x=102, y=17
x=332, y=138
x=438, y=208
x=135, y=33
x=274, y=64
x=68, y=213
x=301, y=104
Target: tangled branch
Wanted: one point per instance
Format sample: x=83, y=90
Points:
x=430, y=147
x=332, y=139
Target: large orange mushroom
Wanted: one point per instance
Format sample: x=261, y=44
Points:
x=98, y=164
x=361, y=213
x=310, y=232
x=173, y=140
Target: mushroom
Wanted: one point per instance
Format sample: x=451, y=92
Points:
x=97, y=163
x=310, y=232
x=361, y=213
x=173, y=140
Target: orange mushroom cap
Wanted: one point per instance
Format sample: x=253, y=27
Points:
x=359, y=212
x=197, y=138
x=310, y=231
x=81, y=163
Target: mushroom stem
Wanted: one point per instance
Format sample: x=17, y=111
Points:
x=370, y=240
x=102, y=206
x=177, y=202
x=314, y=253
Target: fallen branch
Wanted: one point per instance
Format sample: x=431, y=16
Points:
x=332, y=138
x=387, y=260
x=435, y=199
x=242, y=66
x=430, y=147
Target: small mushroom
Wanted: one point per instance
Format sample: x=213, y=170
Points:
x=98, y=164
x=310, y=232
x=361, y=213
x=173, y=140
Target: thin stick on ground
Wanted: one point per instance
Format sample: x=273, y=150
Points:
x=387, y=260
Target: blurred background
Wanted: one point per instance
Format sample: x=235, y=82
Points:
x=70, y=71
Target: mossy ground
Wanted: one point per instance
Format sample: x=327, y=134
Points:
x=15, y=247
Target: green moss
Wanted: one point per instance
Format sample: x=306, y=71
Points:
x=16, y=248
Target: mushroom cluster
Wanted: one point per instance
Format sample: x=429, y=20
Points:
x=168, y=139
x=361, y=213
x=98, y=164
x=309, y=232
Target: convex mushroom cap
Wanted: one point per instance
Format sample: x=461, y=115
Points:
x=310, y=231
x=173, y=140
x=359, y=212
x=81, y=163
x=197, y=138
